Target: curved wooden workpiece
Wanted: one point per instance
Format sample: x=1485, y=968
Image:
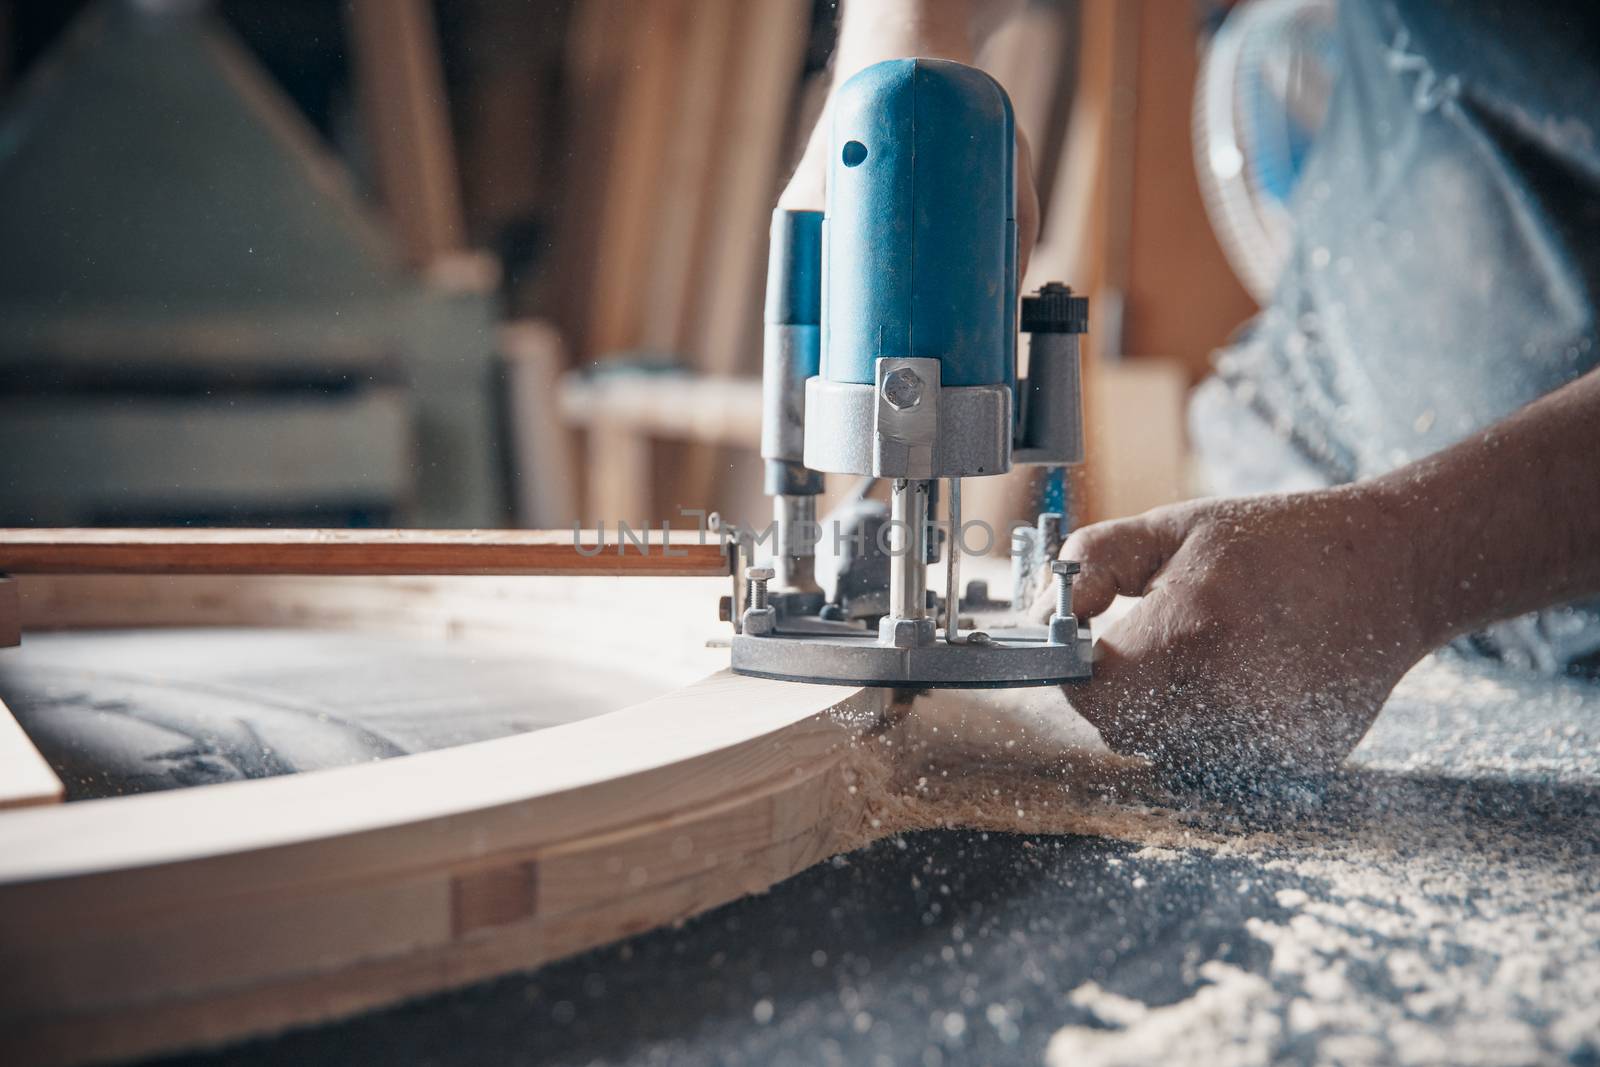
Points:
x=179, y=919
x=184, y=919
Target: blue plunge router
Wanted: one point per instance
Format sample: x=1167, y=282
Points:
x=891, y=353
x=921, y=232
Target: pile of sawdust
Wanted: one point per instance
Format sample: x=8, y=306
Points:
x=1447, y=906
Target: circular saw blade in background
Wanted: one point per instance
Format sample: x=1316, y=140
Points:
x=1263, y=92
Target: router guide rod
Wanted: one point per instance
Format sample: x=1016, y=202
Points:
x=890, y=352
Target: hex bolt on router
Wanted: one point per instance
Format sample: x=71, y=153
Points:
x=1064, y=624
x=759, y=617
x=902, y=389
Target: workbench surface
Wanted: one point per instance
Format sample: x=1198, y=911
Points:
x=1437, y=901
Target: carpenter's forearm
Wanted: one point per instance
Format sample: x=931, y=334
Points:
x=1507, y=521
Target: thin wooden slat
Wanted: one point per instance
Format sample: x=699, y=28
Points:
x=356, y=552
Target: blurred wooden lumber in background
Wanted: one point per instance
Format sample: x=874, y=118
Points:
x=676, y=123
x=10, y=619
x=544, y=468
x=759, y=109
x=408, y=123
x=693, y=155
x=642, y=130
x=627, y=416
x=680, y=115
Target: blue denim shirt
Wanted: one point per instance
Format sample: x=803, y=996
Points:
x=1446, y=266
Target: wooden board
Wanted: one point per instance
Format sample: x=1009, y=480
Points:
x=354, y=552
x=718, y=411
x=765, y=77
x=594, y=65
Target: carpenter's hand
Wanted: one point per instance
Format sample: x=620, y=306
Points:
x=805, y=191
x=1269, y=632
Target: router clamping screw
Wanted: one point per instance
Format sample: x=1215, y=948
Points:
x=759, y=577
x=1063, y=626
x=902, y=388
x=759, y=617
x=1064, y=569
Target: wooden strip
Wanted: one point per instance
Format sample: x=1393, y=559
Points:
x=619, y=467
x=25, y=777
x=1079, y=241
x=354, y=552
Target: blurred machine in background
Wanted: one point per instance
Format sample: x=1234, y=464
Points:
x=201, y=322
